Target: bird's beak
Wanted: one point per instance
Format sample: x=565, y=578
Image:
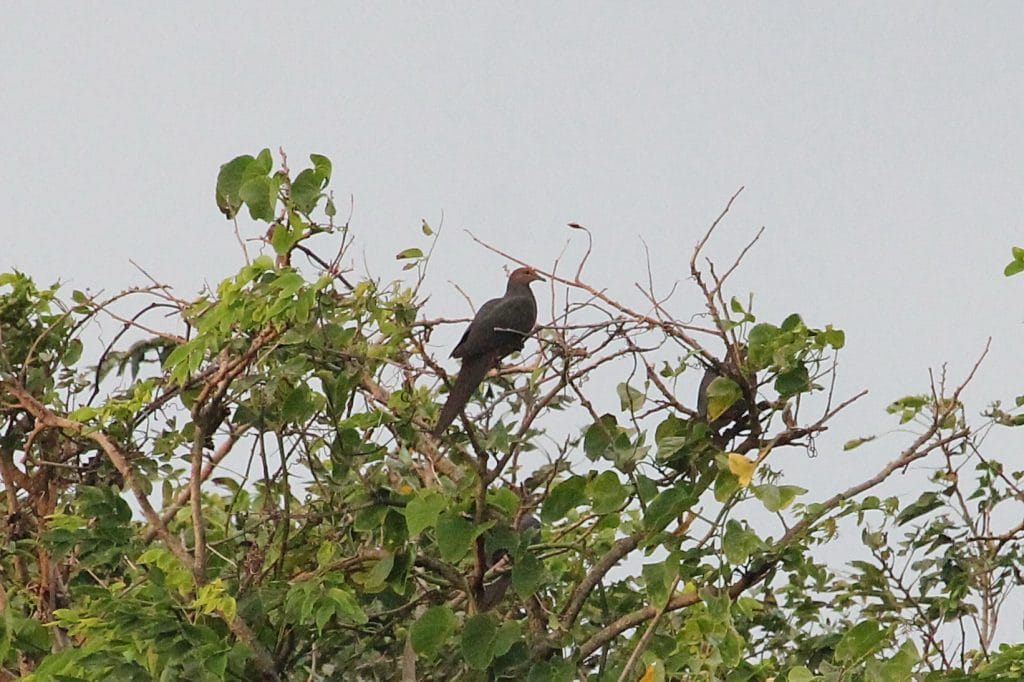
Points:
x=537, y=278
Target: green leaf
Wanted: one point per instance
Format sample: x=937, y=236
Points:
x=422, y=511
x=925, y=503
x=776, y=497
x=261, y=263
x=83, y=413
x=551, y=671
x=260, y=195
x=630, y=399
x=284, y=239
x=857, y=442
x=229, y=181
x=908, y=407
x=426, y=228
x=1014, y=267
x=322, y=165
x=859, y=641
x=669, y=504
x=370, y=518
x=508, y=634
x=722, y=394
x=646, y=488
x=298, y=406
x=504, y=499
x=409, y=253
x=72, y=353
x=306, y=190
x=793, y=381
x=455, y=536
x=213, y=598
x=566, y=495
x=659, y=577
x=792, y=323
x=900, y=667
x=432, y=630
x=502, y=539
x=479, y=636
x=324, y=612
x=739, y=542
x=324, y=553
x=288, y=282
x=376, y=578
x=607, y=492
x=761, y=344
x=264, y=162
x=833, y=337
x=599, y=435
x=801, y=674
x=670, y=435
x=346, y=606
x=527, y=575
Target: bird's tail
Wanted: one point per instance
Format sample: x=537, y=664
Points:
x=472, y=373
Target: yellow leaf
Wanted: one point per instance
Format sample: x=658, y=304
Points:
x=654, y=672
x=742, y=467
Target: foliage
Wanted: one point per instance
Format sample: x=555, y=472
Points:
x=243, y=486
x=1017, y=264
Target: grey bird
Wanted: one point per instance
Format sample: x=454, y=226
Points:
x=499, y=328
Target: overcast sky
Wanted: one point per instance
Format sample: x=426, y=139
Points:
x=880, y=145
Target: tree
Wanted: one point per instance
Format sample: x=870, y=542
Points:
x=244, y=486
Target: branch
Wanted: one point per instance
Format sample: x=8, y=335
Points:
x=195, y=488
x=185, y=494
x=44, y=416
x=424, y=443
x=48, y=418
x=676, y=330
x=767, y=563
x=648, y=635
x=707, y=235
x=578, y=598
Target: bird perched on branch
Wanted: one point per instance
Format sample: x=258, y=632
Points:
x=499, y=328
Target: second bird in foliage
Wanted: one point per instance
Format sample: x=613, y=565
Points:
x=499, y=328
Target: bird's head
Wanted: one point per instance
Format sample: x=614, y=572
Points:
x=524, y=276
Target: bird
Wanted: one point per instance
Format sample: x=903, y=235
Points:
x=499, y=328
x=528, y=527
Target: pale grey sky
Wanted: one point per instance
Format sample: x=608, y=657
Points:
x=881, y=145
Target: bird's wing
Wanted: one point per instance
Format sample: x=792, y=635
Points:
x=474, y=329
x=485, y=333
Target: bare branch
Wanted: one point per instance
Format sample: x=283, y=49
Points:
x=707, y=235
